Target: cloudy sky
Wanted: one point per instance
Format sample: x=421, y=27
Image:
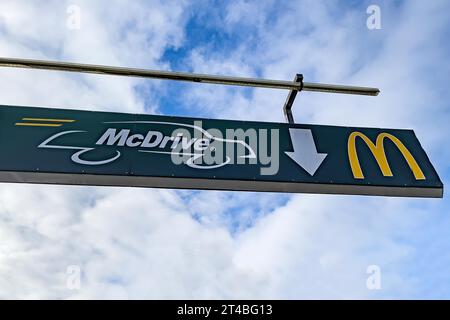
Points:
x=150, y=243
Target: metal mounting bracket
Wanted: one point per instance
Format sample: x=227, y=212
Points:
x=287, y=109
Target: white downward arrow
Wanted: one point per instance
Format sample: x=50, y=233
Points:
x=305, y=152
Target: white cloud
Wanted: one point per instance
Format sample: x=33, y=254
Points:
x=111, y=33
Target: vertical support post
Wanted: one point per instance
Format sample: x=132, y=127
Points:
x=287, y=109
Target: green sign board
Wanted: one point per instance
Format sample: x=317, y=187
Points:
x=40, y=145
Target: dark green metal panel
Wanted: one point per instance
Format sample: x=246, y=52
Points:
x=24, y=129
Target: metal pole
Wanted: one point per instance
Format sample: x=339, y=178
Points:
x=184, y=76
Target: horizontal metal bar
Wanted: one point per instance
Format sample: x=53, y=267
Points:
x=184, y=76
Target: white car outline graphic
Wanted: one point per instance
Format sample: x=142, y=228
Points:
x=76, y=157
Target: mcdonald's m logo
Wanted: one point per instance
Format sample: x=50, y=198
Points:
x=379, y=153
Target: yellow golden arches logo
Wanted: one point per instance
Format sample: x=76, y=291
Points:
x=378, y=152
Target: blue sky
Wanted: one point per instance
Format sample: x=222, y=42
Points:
x=149, y=243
